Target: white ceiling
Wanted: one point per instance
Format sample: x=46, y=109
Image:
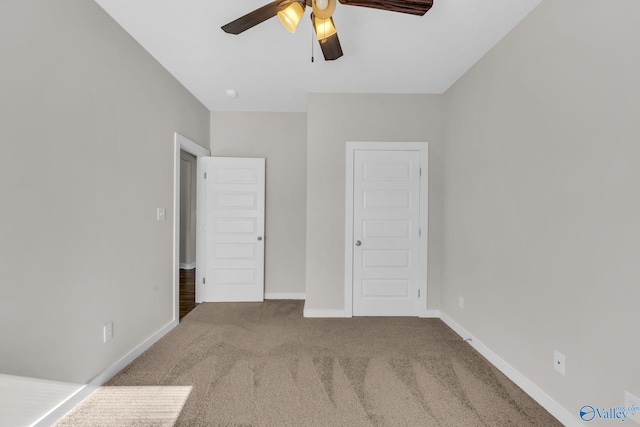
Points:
x=271, y=69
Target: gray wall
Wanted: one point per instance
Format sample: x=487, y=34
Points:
x=281, y=139
x=542, y=200
x=86, y=125
x=334, y=119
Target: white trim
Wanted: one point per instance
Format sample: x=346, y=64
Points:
x=348, y=231
x=201, y=190
x=318, y=312
x=429, y=314
x=423, y=148
x=284, y=295
x=53, y=416
x=185, y=144
x=191, y=147
x=73, y=400
x=185, y=266
x=554, y=408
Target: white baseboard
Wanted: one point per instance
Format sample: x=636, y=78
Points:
x=554, y=408
x=73, y=400
x=314, y=312
x=24, y=400
x=187, y=266
x=284, y=295
x=429, y=314
x=65, y=406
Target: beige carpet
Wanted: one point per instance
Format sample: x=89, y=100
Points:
x=250, y=364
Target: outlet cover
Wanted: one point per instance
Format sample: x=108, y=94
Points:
x=461, y=301
x=632, y=404
x=558, y=362
x=108, y=331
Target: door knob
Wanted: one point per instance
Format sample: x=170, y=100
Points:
x=358, y=242
x=259, y=237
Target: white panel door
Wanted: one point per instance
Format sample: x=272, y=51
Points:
x=234, y=229
x=386, y=227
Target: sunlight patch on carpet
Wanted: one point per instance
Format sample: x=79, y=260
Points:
x=129, y=406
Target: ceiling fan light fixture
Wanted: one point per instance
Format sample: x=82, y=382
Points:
x=325, y=28
x=323, y=9
x=291, y=15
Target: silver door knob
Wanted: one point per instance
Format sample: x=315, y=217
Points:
x=358, y=242
x=259, y=237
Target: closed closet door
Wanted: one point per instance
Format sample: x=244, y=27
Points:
x=386, y=233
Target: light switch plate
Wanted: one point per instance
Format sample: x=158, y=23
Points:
x=161, y=214
x=108, y=331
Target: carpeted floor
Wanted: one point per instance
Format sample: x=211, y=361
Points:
x=263, y=364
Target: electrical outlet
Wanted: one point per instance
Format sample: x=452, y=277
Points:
x=632, y=404
x=108, y=331
x=558, y=362
x=461, y=301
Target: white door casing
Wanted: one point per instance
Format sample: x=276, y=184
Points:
x=386, y=226
x=234, y=229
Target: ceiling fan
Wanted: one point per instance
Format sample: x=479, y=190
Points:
x=290, y=13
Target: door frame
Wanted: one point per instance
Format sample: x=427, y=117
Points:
x=182, y=143
x=352, y=147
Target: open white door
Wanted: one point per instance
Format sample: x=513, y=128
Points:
x=234, y=229
x=387, y=260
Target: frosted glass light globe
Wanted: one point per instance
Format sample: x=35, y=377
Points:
x=322, y=4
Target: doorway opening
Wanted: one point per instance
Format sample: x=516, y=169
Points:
x=187, y=249
x=187, y=252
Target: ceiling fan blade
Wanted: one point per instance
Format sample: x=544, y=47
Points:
x=252, y=19
x=331, y=48
x=413, y=7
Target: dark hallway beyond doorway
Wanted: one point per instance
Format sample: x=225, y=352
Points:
x=187, y=291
